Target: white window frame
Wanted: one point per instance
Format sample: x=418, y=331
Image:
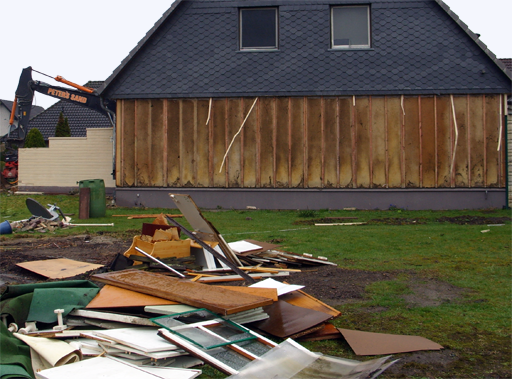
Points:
x=368, y=14
x=259, y=48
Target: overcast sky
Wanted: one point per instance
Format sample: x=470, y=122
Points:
x=84, y=41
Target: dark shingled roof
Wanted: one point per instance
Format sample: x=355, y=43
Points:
x=79, y=117
x=36, y=109
x=418, y=47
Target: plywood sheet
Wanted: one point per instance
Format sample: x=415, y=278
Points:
x=367, y=343
x=492, y=127
x=250, y=147
x=233, y=164
x=302, y=299
x=187, y=143
x=266, y=134
x=428, y=142
x=345, y=142
x=476, y=140
x=461, y=154
x=362, y=134
x=270, y=293
x=411, y=142
x=394, y=123
x=173, y=143
x=219, y=146
x=314, y=150
x=142, y=142
x=331, y=143
x=218, y=300
x=202, y=144
x=378, y=142
x=58, y=268
x=297, y=142
x=115, y=297
x=444, y=141
x=282, y=142
x=128, y=143
x=156, y=173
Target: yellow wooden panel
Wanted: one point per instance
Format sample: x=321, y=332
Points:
x=282, y=143
x=331, y=143
x=492, y=127
x=378, y=143
x=428, y=142
x=297, y=142
x=477, y=140
x=250, y=145
x=187, y=143
x=202, y=144
x=173, y=143
x=266, y=134
x=314, y=149
x=362, y=125
x=394, y=122
x=156, y=169
x=444, y=141
x=58, y=268
x=461, y=171
x=219, y=141
x=142, y=142
x=128, y=144
x=412, y=142
x=346, y=122
x=233, y=163
x=115, y=297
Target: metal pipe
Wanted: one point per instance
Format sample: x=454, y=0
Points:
x=159, y=262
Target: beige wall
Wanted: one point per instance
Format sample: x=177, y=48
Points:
x=68, y=160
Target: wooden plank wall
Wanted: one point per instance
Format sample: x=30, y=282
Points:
x=314, y=142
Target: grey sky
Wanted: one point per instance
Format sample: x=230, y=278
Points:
x=87, y=41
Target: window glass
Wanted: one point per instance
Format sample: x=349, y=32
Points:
x=350, y=26
x=258, y=28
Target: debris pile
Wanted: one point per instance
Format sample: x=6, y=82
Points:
x=38, y=224
x=168, y=305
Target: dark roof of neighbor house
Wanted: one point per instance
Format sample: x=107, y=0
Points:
x=507, y=62
x=80, y=118
x=36, y=109
x=418, y=47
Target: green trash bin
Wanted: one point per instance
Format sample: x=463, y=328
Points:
x=98, y=202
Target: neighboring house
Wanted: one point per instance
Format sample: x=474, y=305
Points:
x=359, y=104
x=5, y=115
x=79, y=117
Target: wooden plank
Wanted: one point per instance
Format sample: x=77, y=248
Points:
x=492, y=127
x=362, y=133
x=119, y=142
x=156, y=169
x=476, y=140
x=250, y=151
x=282, y=151
x=444, y=141
x=428, y=142
x=187, y=142
x=297, y=142
x=58, y=268
x=345, y=143
x=84, y=203
x=378, y=143
x=233, y=162
x=128, y=144
x=394, y=124
x=202, y=156
x=461, y=163
x=331, y=143
x=412, y=142
x=219, y=141
x=266, y=137
x=115, y=297
x=142, y=142
x=173, y=143
x=215, y=299
x=314, y=142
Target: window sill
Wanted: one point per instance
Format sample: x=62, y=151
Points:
x=352, y=49
x=258, y=51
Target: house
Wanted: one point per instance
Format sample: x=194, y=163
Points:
x=79, y=117
x=5, y=115
x=311, y=104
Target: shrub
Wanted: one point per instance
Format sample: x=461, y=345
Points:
x=34, y=139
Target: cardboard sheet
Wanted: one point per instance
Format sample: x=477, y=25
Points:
x=368, y=343
x=115, y=297
x=58, y=268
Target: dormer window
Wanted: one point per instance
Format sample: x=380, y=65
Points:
x=350, y=27
x=258, y=29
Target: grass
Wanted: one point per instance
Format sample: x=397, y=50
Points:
x=476, y=326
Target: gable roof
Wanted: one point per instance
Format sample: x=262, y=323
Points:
x=418, y=47
x=80, y=118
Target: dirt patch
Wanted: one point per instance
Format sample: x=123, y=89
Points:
x=398, y=221
x=431, y=293
x=474, y=220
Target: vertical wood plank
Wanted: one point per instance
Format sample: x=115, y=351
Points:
x=492, y=127
x=165, y=137
x=297, y=142
x=282, y=142
x=444, y=141
x=362, y=123
x=142, y=142
x=173, y=143
x=314, y=142
x=250, y=151
x=412, y=142
x=202, y=156
x=187, y=162
x=461, y=155
x=331, y=143
x=394, y=123
x=428, y=141
x=477, y=140
x=233, y=162
x=218, y=120
x=378, y=142
x=345, y=143
x=128, y=143
x=156, y=168
x=120, y=111
x=266, y=137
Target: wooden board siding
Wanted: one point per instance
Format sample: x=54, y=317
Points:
x=316, y=142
